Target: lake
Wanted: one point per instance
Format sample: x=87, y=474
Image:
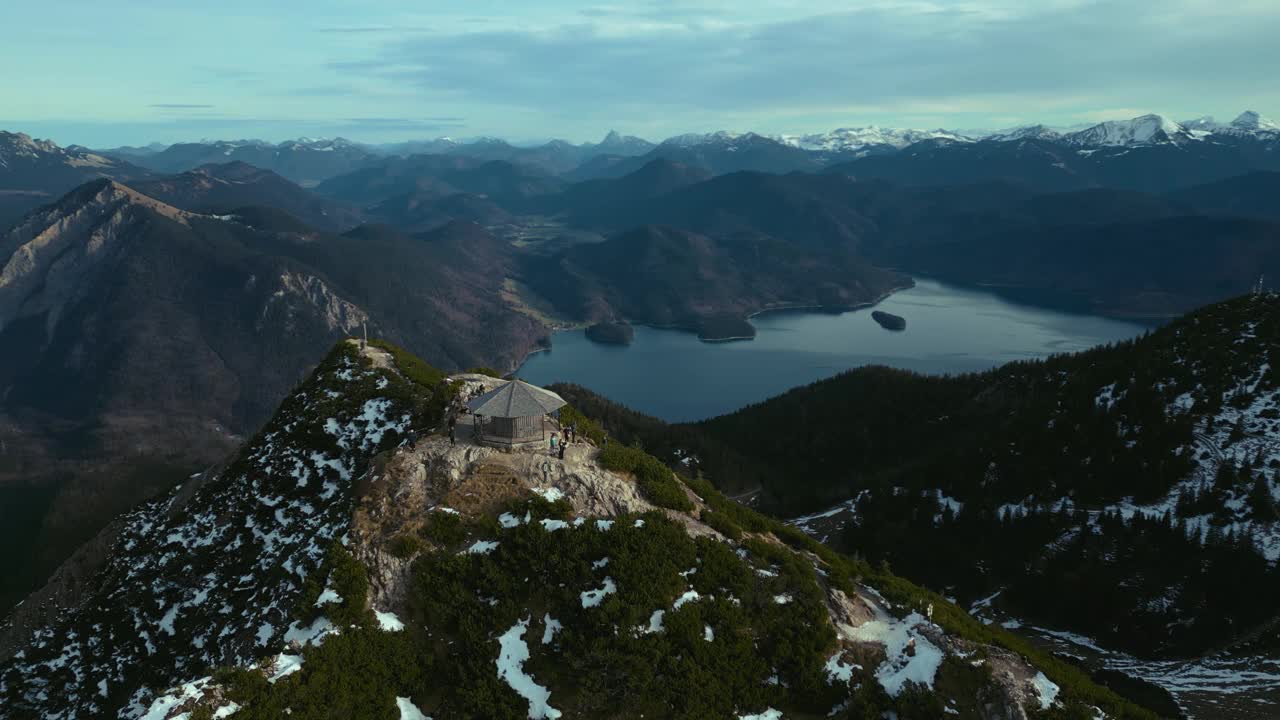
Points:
x=673, y=375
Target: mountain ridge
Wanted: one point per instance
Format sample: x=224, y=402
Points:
x=293, y=550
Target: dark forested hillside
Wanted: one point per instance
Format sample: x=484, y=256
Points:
x=669, y=276
x=1154, y=461
x=221, y=188
x=1148, y=470
x=1250, y=195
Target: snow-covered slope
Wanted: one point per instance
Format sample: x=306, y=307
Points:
x=1144, y=130
x=1028, y=132
x=722, y=139
x=1248, y=123
x=209, y=575
x=863, y=138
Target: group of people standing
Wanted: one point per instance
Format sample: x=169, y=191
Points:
x=559, y=444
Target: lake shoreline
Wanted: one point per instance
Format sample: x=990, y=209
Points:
x=671, y=373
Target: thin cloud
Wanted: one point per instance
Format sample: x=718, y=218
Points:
x=891, y=56
x=370, y=29
x=391, y=124
x=180, y=106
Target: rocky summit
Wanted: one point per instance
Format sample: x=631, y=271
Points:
x=362, y=557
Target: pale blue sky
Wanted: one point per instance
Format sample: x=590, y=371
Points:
x=133, y=71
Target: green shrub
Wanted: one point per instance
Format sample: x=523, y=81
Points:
x=444, y=529
x=657, y=483
x=485, y=371
x=586, y=427
x=723, y=524
x=411, y=366
x=351, y=581
x=355, y=674
x=405, y=546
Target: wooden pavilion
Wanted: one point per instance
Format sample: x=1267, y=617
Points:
x=514, y=413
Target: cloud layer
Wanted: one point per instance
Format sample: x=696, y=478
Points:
x=549, y=68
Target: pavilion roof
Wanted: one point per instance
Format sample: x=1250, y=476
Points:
x=516, y=398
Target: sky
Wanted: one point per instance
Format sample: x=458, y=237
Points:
x=104, y=74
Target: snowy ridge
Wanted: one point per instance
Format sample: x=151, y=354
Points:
x=1145, y=130
x=18, y=149
x=855, y=139
x=212, y=580
x=1028, y=132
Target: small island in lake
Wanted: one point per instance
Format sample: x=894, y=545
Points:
x=611, y=333
x=721, y=328
x=889, y=321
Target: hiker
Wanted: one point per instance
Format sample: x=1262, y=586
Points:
x=562, y=447
x=554, y=440
x=453, y=428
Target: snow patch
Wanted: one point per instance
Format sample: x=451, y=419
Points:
x=389, y=621
x=899, y=666
x=482, y=547
x=511, y=658
x=284, y=666
x=1046, y=689
x=592, y=598
x=409, y=711
x=551, y=626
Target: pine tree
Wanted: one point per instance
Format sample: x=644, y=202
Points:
x=1261, y=502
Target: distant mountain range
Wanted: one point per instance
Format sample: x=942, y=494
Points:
x=34, y=172
x=298, y=159
x=471, y=261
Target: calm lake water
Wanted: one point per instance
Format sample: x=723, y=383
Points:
x=675, y=376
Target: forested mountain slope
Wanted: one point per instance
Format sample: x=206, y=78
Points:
x=1149, y=470
x=351, y=561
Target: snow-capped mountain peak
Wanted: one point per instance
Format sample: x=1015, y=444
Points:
x=1252, y=121
x=1148, y=129
x=1026, y=132
x=852, y=139
x=694, y=139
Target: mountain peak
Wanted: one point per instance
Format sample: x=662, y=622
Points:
x=1149, y=129
x=101, y=197
x=852, y=139
x=1251, y=120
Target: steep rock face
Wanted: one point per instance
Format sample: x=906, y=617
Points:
x=338, y=314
